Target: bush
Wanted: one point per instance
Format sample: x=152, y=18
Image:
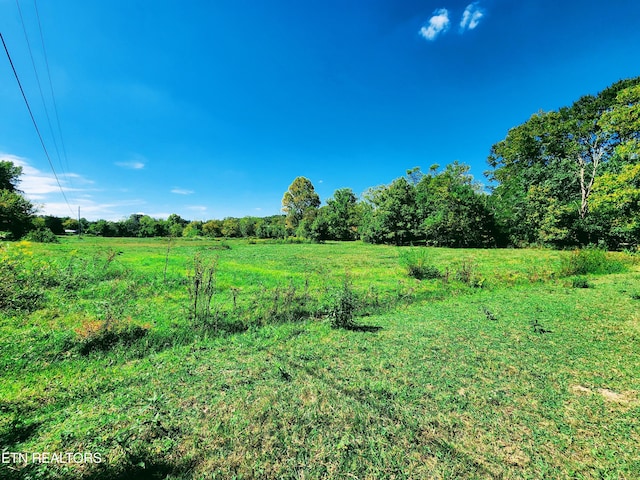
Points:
x=343, y=303
x=42, y=235
x=468, y=274
x=417, y=264
x=589, y=261
x=580, y=282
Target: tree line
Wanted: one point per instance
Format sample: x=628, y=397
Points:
x=563, y=178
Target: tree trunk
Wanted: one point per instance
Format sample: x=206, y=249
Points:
x=596, y=153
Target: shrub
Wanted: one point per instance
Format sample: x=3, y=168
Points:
x=588, y=261
x=580, y=282
x=417, y=264
x=343, y=303
x=467, y=273
x=42, y=235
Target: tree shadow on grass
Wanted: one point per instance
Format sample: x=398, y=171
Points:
x=18, y=432
x=362, y=328
x=144, y=470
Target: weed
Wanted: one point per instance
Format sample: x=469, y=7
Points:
x=538, y=328
x=590, y=261
x=284, y=375
x=202, y=289
x=21, y=285
x=467, y=273
x=343, y=303
x=417, y=264
x=580, y=282
x=489, y=314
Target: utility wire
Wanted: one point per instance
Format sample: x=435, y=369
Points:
x=35, y=71
x=53, y=97
x=24, y=97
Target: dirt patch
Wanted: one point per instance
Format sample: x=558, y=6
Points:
x=580, y=389
x=609, y=395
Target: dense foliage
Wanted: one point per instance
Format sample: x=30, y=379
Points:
x=563, y=178
x=16, y=211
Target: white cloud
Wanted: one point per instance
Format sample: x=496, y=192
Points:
x=438, y=23
x=42, y=189
x=133, y=165
x=182, y=191
x=471, y=17
x=135, y=162
x=37, y=184
x=197, y=208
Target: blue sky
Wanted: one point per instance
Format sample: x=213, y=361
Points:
x=210, y=109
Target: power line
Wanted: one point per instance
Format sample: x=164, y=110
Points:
x=24, y=97
x=53, y=97
x=35, y=71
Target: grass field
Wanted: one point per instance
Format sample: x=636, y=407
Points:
x=507, y=365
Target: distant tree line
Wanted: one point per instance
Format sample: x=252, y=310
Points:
x=563, y=178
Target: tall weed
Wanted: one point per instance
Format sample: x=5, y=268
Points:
x=590, y=261
x=417, y=263
x=202, y=289
x=343, y=303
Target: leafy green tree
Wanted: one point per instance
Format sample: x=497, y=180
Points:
x=54, y=224
x=212, y=228
x=9, y=176
x=147, y=227
x=452, y=209
x=341, y=216
x=563, y=153
x=277, y=226
x=193, y=229
x=16, y=214
x=176, y=224
x=70, y=223
x=103, y=228
x=391, y=215
x=320, y=230
x=231, y=227
x=299, y=201
x=248, y=226
x=616, y=207
x=623, y=121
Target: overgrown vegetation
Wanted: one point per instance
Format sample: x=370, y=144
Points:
x=417, y=263
x=343, y=304
x=423, y=378
x=590, y=260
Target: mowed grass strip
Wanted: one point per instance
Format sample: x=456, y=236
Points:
x=520, y=381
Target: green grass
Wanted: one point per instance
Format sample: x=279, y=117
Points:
x=526, y=377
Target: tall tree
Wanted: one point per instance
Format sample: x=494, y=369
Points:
x=298, y=200
x=562, y=153
x=390, y=214
x=452, y=209
x=16, y=212
x=341, y=215
x=9, y=176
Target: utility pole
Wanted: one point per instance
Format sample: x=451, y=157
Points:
x=79, y=224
